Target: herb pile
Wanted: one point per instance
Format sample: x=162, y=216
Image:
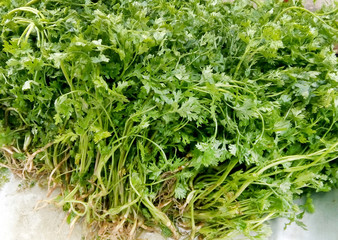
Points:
x=199, y=115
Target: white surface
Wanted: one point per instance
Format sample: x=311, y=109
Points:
x=321, y=225
x=19, y=220
x=313, y=6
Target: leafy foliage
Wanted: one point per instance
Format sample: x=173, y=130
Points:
x=202, y=114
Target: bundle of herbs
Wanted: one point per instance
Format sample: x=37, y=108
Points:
x=201, y=115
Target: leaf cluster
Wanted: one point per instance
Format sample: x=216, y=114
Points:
x=206, y=115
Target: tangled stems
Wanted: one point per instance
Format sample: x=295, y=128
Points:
x=205, y=115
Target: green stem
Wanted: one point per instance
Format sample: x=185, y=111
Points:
x=247, y=49
x=157, y=214
x=32, y=2
x=304, y=10
x=15, y=110
x=193, y=226
x=243, y=187
x=65, y=73
x=219, y=181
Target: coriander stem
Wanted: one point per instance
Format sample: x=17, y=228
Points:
x=31, y=2
x=304, y=10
